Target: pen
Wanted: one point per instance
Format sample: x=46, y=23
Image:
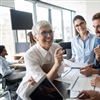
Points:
x=81, y=96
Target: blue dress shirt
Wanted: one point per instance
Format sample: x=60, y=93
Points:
x=96, y=63
x=4, y=67
x=83, y=51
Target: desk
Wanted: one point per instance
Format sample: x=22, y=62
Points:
x=18, y=56
x=77, y=81
x=20, y=65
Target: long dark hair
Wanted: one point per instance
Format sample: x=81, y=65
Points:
x=75, y=18
x=32, y=41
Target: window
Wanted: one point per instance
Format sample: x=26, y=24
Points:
x=67, y=25
x=60, y=18
x=21, y=36
x=43, y=15
x=56, y=23
x=6, y=33
x=28, y=7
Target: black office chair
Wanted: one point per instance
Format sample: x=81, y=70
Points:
x=58, y=40
x=67, y=47
x=10, y=84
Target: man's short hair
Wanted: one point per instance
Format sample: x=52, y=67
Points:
x=96, y=16
x=1, y=48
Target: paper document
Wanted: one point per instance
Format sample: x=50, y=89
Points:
x=68, y=78
x=66, y=70
x=74, y=64
x=74, y=94
x=83, y=83
x=97, y=89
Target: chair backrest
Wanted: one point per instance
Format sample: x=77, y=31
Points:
x=67, y=47
x=5, y=96
x=9, y=83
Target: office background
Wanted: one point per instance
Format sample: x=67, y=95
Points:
x=59, y=12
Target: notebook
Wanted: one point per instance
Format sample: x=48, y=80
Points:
x=44, y=90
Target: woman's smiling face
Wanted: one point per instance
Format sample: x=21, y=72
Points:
x=80, y=26
x=45, y=37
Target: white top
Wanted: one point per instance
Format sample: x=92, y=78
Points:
x=83, y=51
x=34, y=58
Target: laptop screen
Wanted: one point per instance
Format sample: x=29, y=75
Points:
x=46, y=91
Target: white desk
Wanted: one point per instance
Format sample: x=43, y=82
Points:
x=77, y=81
x=20, y=65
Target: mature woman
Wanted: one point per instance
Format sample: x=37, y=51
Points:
x=44, y=51
x=83, y=43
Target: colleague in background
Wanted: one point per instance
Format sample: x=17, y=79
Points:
x=44, y=51
x=83, y=43
x=5, y=70
x=89, y=70
x=94, y=68
x=32, y=42
x=30, y=38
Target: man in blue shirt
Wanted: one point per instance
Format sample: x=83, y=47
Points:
x=5, y=70
x=94, y=68
x=97, y=52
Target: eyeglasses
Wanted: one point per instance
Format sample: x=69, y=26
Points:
x=45, y=33
x=81, y=24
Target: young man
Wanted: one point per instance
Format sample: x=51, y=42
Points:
x=5, y=70
x=90, y=94
x=94, y=68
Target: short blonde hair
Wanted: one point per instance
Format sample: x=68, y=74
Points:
x=38, y=25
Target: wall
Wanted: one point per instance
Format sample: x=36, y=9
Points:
x=92, y=8
x=8, y=3
x=76, y=5
x=5, y=27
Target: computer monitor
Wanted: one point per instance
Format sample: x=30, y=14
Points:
x=21, y=20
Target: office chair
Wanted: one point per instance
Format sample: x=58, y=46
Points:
x=10, y=84
x=67, y=47
x=5, y=96
x=58, y=40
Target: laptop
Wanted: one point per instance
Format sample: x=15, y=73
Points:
x=44, y=90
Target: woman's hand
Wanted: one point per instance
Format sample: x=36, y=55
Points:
x=58, y=56
x=31, y=81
